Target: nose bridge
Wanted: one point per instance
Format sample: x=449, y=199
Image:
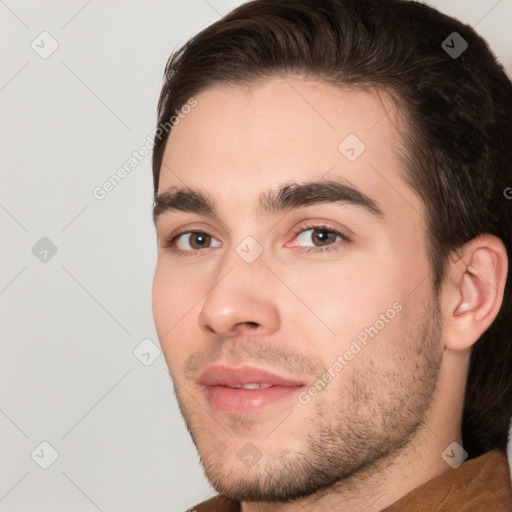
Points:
x=239, y=294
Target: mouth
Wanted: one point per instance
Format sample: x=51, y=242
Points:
x=244, y=390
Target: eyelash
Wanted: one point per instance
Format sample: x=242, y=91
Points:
x=170, y=242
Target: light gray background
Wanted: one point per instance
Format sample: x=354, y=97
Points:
x=69, y=326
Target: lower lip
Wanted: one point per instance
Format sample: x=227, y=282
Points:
x=240, y=401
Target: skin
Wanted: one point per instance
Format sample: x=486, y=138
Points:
x=379, y=427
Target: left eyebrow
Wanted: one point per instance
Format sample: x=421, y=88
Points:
x=285, y=198
x=296, y=195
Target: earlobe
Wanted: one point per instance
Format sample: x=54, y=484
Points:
x=476, y=291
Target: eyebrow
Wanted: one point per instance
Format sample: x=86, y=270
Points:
x=283, y=199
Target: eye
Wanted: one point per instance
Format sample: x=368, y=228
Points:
x=319, y=238
x=191, y=241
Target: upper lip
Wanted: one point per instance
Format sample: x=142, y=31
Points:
x=229, y=376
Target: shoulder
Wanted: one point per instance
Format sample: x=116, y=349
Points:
x=482, y=484
x=217, y=504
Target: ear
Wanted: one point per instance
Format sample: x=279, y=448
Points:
x=473, y=291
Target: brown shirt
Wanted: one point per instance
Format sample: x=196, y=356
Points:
x=479, y=485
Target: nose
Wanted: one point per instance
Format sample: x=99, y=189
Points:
x=242, y=298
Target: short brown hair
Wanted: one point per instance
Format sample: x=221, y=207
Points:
x=459, y=144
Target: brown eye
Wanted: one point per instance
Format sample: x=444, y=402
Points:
x=192, y=241
x=323, y=236
x=199, y=240
x=319, y=236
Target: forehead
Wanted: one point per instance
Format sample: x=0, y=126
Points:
x=239, y=141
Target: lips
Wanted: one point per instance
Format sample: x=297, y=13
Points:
x=233, y=377
x=243, y=390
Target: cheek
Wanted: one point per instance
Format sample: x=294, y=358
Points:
x=170, y=305
x=345, y=295
x=161, y=299
x=172, y=297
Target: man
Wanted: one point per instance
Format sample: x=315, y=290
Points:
x=331, y=291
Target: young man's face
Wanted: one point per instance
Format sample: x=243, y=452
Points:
x=329, y=291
